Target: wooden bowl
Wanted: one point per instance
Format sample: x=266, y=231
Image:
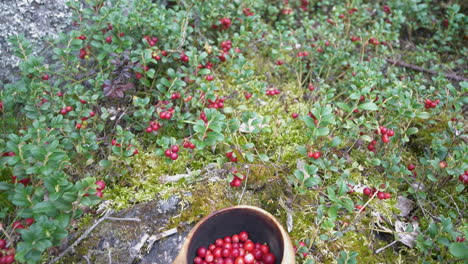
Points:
x=261, y=226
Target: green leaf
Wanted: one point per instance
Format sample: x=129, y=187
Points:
x=264, y=157
x=302, y=150
x=336, y=141
x=204, y=71
x=311, y=181
x=412, y=131
x=249, y=146
x=45, y=207
x=104, y=163
x=151, y=73
x=333, y=212
x=299, y=175
x=423, y=115
x=309, y=121
x=323, y=131
x=369, y=106
x=5, y=186
x=459, y=250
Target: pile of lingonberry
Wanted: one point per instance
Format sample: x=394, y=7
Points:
x=235, y=249
x=7, y=255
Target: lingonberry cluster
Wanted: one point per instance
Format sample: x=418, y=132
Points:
x=217, y=103
x=301, y=244
x=7, y=255
x=302, y=54
x=101, y=185
x=235, y=249
x=153, y=126
x=151, y=40
x=128, y=147
x=371, y=146
x=84, y=53
x=172, y=152
x=225, y=23
x=464, y=177
x=431, y=104
x=314, y=154
x=231, y=156
x=381, y=195
x=66, y=109
x=385, y=134
x=313, y=117
x=247, y=12
x=188, y=144
x=273, y=91
x=25, y=181
x=166, y=114
x=238, y=179
x=361, y=208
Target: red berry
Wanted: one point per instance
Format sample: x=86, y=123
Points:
x=168, y=152
x=45, y=77
x=294, y=115
x=239, y=260
x=236, y=182
x=197, y=260
x=249, y=258
x=381, y=195
x=243, y=236
x=149, y=129
x=174, y=156
x=316, y=155
x=442, y=164
x=385, y=138
x=63, y=111
x=249, y=246
x=109, y=39
x=269, y=258
x=367, y=191
x=411, y=167
x=29, y=221
x=201, y=252
x=2, y=243
x=69, y=108
x=175, y=148
x=92, y=113
x=209, y=258
x=99, y=193
x=101, y=185
x=17, y=225
x=463, y=178
x=387, y=195
x=265, y=249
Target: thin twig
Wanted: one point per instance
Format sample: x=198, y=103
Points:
x=123, y=219
x=83, y=236
x=89, y=230
x=420, y=69
x=383, y=248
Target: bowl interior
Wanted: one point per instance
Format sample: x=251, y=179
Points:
x=261, y=229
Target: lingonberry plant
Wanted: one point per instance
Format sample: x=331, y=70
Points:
x=343, y=113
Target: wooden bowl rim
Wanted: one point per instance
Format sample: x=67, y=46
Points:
x=288, y=254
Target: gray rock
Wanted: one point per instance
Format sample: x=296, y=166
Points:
x=113, y=240
x=37, y=20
